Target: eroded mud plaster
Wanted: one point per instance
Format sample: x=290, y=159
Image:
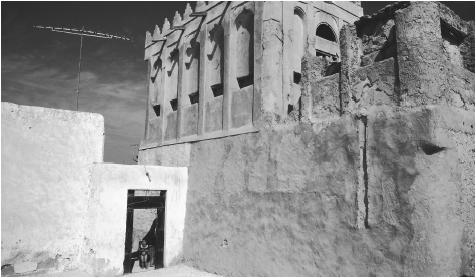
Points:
x=362, y=165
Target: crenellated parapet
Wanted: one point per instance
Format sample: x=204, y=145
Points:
x=193, y=80
x=354, y=133
x=234, y=67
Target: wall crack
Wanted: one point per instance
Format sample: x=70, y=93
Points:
x=363, y=184
x=365, y=173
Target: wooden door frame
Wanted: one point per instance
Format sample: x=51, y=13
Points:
x=142, y=202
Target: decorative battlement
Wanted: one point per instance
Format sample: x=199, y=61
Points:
x=364, y=123
x=229, y=67
x=236, y=67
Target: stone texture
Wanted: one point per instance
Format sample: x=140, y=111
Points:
x=415, y=188
x=467, y=50
x=286, y=202
x=325, y=98
x=371, y=171
x=373, y=85
x=419, y=47
x=351, y=51
x=452, y=19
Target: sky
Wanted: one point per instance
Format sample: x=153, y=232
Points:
x=40, y=68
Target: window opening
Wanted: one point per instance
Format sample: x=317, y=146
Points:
x=174, y=104
x=193, y=98
x=245, y=81
x=296, y=77
x=325, y=31
x=217, y=90
x=157, y=109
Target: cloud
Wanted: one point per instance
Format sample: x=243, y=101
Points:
x=119, y=97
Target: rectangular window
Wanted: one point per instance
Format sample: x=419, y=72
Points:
x=296, y=77
x=217, y=89
x=193, y=98
x=245, y=81
x=157, y=109
x=174, y=104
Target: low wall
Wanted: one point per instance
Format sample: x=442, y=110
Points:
x=107, y=211
x=46, y=160
x=379, y=195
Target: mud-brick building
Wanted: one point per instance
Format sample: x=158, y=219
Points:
x=318, y=141
x=282, y=138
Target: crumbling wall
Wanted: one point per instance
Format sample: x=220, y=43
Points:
x=378, y=195
x=458, y=38
x=430, y=47
x=376, y=34
x=416, y=186
x=46, y=160
x=370, y=173
x=467, y=49
x=425, y=48
x=325, y=98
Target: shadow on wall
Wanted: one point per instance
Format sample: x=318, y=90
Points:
x=244, y=24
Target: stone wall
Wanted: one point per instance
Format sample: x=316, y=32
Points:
x=46, y=160
x=427, y=42
x=302, y=201
x=431, y=49
x=418, y=173
x=370, y=172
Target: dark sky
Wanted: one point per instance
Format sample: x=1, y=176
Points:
x=40, y=68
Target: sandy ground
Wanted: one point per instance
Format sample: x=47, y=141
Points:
x=173, y=271
x=180, y=270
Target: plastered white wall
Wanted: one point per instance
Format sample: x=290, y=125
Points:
x=105, y=237
x=46, y=160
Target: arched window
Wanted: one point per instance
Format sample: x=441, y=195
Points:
x=326, y=42
x=325, y=31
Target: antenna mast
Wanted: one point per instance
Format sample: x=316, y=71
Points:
x=82, y=33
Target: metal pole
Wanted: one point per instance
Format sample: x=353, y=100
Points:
x=82, y=33
x=79, y=71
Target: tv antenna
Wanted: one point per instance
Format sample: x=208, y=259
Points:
x=82, y=33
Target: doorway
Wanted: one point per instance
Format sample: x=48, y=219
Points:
x=145, y=224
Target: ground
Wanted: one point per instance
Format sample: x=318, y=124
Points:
x=180, y=270
x=174, y=271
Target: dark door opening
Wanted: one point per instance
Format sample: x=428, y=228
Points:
x=145, y=222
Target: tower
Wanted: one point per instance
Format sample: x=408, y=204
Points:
x=231, y=67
